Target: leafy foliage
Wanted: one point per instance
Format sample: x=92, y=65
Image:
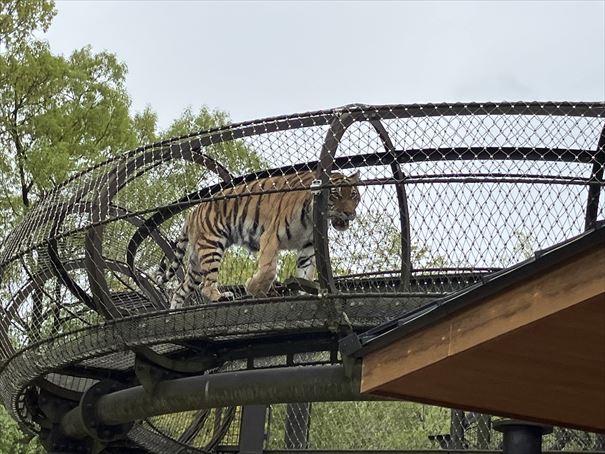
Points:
x=57, y=114
x=12, y=440
x=19, y=19
x=365, y=425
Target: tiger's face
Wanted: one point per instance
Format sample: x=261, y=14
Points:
x=343, y=201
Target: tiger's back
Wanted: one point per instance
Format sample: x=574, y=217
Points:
x=265, y=216
x=241, y=214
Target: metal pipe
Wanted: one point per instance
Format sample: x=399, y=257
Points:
x=249, y=387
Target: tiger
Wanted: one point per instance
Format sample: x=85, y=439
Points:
x=264, y=223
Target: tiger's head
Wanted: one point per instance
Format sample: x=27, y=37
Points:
x=344, y=198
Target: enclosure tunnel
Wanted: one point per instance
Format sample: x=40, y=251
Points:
x=439, y=200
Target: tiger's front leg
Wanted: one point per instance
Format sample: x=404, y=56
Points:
x=305, y=262
x=260, y=284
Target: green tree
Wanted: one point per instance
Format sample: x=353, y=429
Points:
x=57, y=114
x=13, y=440
x=380, y=233
x=19, y=18
x=365, y=425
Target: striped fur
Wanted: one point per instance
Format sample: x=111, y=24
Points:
x=264, y=222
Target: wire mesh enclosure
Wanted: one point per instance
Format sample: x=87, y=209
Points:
x=256, y=246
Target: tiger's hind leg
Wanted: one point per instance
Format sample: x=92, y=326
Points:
x=203, y=269
x=210, y=254
x=166, y=271
x=193, y=279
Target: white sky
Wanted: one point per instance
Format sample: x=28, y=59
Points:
x=257, y=59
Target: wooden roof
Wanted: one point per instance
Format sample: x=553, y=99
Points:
x=534, y=348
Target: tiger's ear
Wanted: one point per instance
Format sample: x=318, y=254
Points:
x=355, y=177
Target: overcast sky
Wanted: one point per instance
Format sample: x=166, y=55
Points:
x=257, y=59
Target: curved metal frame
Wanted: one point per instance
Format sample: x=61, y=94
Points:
x=338, y=127
x=404, y=215
x=400, y=156
x=121, y=333
x=112, y=183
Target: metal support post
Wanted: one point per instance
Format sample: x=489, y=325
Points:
x=521, y=437
x=252, y=432
x=599, y=442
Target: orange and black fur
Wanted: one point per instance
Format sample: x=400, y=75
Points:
x=263, y=222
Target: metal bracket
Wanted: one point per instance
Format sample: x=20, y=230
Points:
x=53, y=402
x=349, y=345
x=315, y=187
x=150, y=375
x=88, y=413
x=152, y=368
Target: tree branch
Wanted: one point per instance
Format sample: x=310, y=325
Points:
x=20, y=152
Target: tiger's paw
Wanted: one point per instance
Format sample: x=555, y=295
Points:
x=213, y=295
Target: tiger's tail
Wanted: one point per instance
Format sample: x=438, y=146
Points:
x=164, y=272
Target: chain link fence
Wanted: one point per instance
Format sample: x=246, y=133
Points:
x=360, y=426
x=398, y=426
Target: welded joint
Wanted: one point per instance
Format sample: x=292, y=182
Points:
x=352, y=371
x=331, y=311
x=150, y=375
x=336, y=319
x=323, y=293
